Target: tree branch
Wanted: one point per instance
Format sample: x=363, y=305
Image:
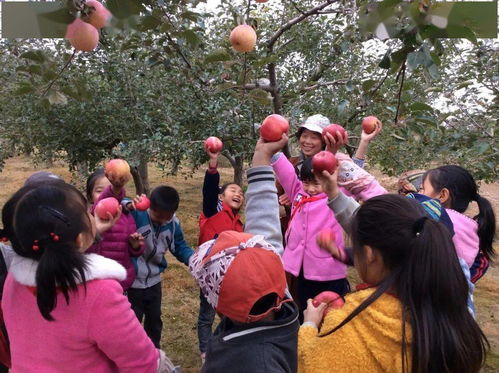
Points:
x=296, y=7
x=402, y=71
x=60, y=73
x=334, y=82
x=249, y=87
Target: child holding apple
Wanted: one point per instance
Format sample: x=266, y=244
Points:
x=122, y=241
x=220, y=213
x=161, y=231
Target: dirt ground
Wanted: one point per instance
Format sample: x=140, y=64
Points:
x=181, y=296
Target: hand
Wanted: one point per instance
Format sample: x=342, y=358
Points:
x=314, y=314
x=136, y=240
x=365, y=137
x=331, y=144
x=265, y=150
x=334, y=250
x=329, y=183
x=103, y=225
x=284, y=200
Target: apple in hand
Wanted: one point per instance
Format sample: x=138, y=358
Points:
x=117, y=169
x=332, y=129
x=273, y=127
x=243, y=38
x=324, y=161
x=106, y=205
x=213, y=144
x=143, y=204
x=333, y=301
x=369, y=124
x=325, y=237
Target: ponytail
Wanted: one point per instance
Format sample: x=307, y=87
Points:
x=59, y=268
x=47, y=223
x=425, y=274
x=486, y=226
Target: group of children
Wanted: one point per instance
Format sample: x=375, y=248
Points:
x=68, y=309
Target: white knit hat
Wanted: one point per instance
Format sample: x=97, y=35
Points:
x=316, y=123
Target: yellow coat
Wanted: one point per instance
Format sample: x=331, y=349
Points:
x=371, y=342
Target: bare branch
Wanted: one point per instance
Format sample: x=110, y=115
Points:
x=334, y=82
x=296, y=7
x=402, y=74
x=60, y=73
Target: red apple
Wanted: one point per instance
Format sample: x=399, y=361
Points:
x=117, y=169
x=99, y=16
x=325, y=237
x=324, y=161
x=106, y=205
x=332, y=129
x=143, y=204
x=82, y=36
x=333, y=300
x=243, y=38
x=273, y=127
x=213, y=144
x=369, y=124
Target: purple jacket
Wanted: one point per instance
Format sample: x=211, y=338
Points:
x=311, y=218
x=114, y=244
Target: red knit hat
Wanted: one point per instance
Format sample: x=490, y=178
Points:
x=235, y=271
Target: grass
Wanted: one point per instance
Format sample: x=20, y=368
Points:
x=180, y=293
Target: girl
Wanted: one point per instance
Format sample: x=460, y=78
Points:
x=455, y=188
x=412, y=316
x=122, y=241
x=65, y=310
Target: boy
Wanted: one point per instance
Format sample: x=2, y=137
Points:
x=161, y=231
x=242, y=277
x=220, y=213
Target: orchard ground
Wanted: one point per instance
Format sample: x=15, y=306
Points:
x=180, y=294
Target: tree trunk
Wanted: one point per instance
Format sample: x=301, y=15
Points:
x=141, y=177
x=238, y=170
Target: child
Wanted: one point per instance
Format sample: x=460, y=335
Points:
x=242, y=276
x=122, y=241
x=412, y=315
x=161, y=231
x=64, y=310
x=316, y=271
x=220, y=213
x=455, y=188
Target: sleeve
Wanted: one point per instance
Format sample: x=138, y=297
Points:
x=262, y=207
x=182, y=251
x=117, y=332
x=136, y=252
x=286, y=175
x=210, y=193
x=343, y=208
x=361, y=184
x=359, y=162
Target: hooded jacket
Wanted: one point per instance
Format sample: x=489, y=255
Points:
x=264, y=346
x=370, y=342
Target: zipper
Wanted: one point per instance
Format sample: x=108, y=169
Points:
x=154, y=250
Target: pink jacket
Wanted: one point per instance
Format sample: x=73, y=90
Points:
x=114, y=244
x=96, y=332
x=301, y=249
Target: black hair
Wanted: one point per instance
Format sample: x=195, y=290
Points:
x=463, y=189
x=425, y=275
x=164, y=198
x=91, y=180
x=226, y=185
x=47, y=222
x=306, y=173
x=264, y=304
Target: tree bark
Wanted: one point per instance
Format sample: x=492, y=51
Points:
x=140, y=177
x=237, y=164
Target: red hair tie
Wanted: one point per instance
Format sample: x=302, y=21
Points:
x=35, y=246
x=54, y=236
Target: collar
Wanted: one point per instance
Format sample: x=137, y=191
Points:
x=227, y=208
x=24, y=269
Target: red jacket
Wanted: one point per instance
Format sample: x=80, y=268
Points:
x=216, y=217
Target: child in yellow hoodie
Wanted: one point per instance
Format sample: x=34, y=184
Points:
x=412, y=315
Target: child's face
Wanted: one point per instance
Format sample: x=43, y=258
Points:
x=160, y=217
x=312, y=187
x=310, y=143
x=99, y=186
x=233, y=197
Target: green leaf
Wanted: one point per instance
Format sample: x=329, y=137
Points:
x=433, y=71
x=342, y=106
x=191, y=37
x=122, y=9
x=260, y=96
x=24, y=87
x=419, y=106
x=368, y=84
x=192, y=16
x=464, y=84
x=483, y=147
x=165, y=27
x=266, y=60
x=349, y=86
x=60, y=16
x=36, y=56
x=149, y=23
x=385, y=62
x=415, y=59
x=216, y=56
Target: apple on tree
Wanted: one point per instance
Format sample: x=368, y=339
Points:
x=82, y=35
x=243, y=38
x=105, y=206
x=369, y=124
x=332, y=299
x=324, y=161
x=213, y=144
x=273, y=127
x=99, y=16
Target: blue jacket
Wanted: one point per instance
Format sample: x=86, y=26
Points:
x=158, y=239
